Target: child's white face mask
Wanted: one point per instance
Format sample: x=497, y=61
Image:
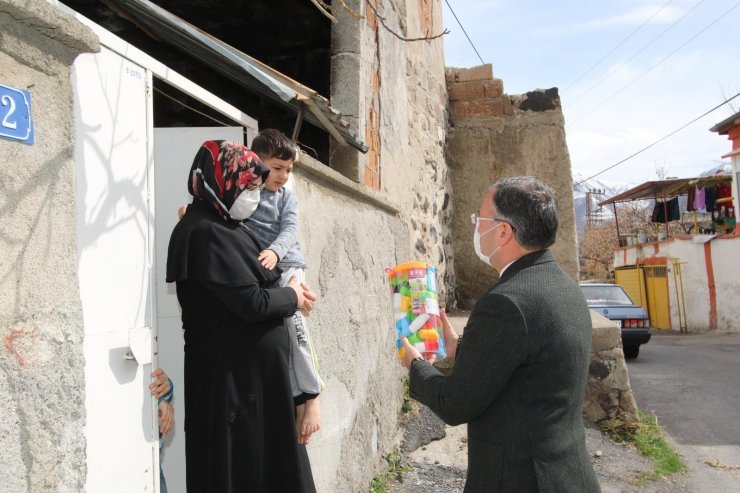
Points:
x=245, y=204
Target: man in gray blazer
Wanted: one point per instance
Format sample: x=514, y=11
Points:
x=520, y=371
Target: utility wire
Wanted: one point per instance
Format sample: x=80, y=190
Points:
x=465, y=32
x=652, y=67
x=659, y=140
x=644, y=47
x=618, y=45
x=174, y=99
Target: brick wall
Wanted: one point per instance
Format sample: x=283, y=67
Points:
x=475, y=92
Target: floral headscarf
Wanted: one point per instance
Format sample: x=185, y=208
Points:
x=220, y=171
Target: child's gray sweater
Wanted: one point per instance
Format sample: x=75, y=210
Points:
x=275, y=224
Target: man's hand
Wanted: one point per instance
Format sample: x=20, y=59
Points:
x=160, y=384
x=449, y=335
x=410, y=352
x=166, y=417
x=268, y=259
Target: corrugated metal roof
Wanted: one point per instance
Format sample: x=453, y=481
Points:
x=725, y=125
x=665, y=188
x=240, y=67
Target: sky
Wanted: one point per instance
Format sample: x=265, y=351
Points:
x=629, y=72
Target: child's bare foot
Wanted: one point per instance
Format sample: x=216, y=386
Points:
x=311, y=421
x=300, y=412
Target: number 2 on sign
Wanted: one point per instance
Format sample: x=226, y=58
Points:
x=8, y=101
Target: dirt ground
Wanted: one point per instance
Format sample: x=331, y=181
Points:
x=438, y=465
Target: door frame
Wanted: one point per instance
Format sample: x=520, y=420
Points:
x=154, y=68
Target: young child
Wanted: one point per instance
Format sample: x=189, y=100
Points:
x=275, y=224
x=162, y=388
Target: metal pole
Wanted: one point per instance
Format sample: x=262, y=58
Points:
x=616, y=221
x=665, y=212
x=298, y=122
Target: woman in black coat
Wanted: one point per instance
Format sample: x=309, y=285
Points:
x=240, y=430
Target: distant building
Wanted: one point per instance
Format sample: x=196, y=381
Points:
x=688, y=282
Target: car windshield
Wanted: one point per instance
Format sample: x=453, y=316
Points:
x=605, y=295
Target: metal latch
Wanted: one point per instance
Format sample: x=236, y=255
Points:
x=140, y=345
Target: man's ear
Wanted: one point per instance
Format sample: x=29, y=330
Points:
x=507, y=233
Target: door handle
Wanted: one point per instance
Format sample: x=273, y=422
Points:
x=140, y=345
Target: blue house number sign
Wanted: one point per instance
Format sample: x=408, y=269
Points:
x=15, y=114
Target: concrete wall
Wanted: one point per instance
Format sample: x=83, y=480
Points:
x=493, y=135
x=351, y=325
x=709, y=276
x=727, y=282
x=42, y=411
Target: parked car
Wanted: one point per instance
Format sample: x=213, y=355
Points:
x=611, y=301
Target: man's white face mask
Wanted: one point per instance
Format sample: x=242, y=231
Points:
x=486, y=259
x=245, y=204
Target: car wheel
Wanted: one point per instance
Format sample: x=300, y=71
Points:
x=631, y=352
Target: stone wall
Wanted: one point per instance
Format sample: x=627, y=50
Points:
x=416, y=170
x=395, y=95
x=608, y=392
x=389, y=206
x=42, y=402
x=494, y=135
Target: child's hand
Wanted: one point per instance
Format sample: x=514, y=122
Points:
x=268, y=258
x=181, y=211
x=166, y=417
x=160, y=384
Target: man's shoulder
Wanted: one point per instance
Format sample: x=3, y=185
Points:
x=532, y=279
x=498, y=297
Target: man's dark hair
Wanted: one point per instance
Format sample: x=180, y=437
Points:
x=530, y=207
x=271, y=143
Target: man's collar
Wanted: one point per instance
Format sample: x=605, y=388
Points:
x=526, y=260
x=507, y=266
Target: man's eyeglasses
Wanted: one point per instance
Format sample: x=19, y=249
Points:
x=474, y=218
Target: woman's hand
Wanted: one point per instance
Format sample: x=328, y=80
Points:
x=306, y=297
x=311, y=298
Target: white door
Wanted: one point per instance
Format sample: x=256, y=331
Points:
x=114, y=237
x=174, y=149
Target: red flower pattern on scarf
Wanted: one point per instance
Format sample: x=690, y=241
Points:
x=221, y=170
